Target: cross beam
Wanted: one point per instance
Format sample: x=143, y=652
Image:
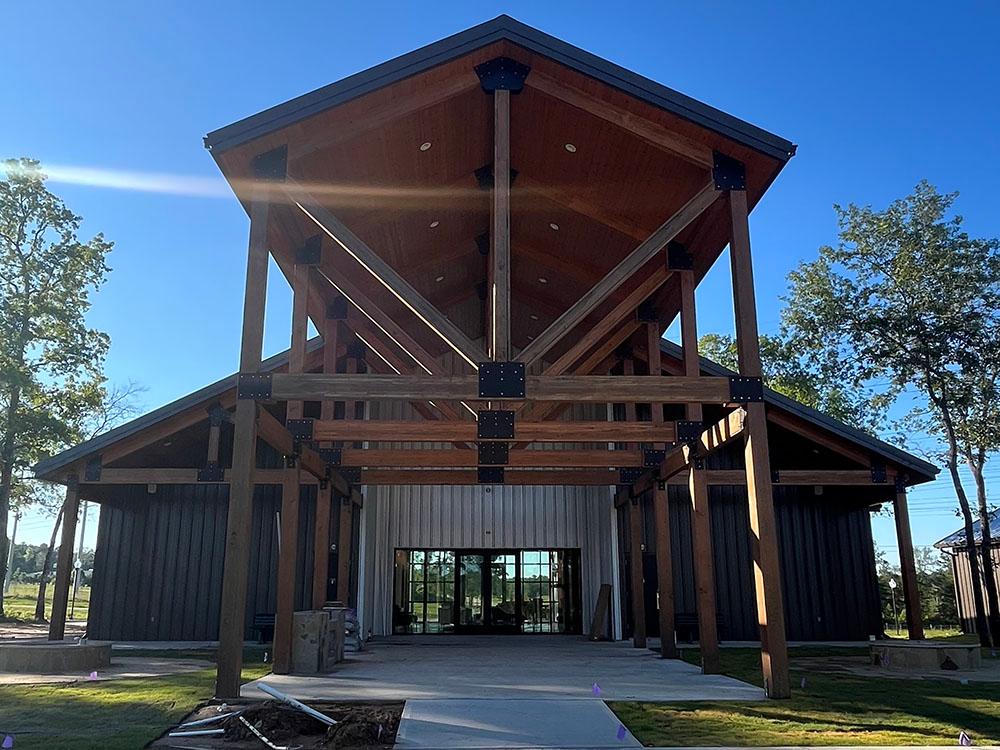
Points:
x=452, y=431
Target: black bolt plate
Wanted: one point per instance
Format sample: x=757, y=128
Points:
x=502, y=73
x=291, y=461
x=351, y=473
x=728, y=173
x=493, y=454
x=775, y=476
x=301, y=429
x=271, y=165
x=337, y=310
x=330, y=456
x=484, y=178
x=678, y=258
x=900, y=483
x=698, y=463
x=646, y=312
x=311, y=253
x=629, y=475
x=92, y=471
x=216, y=415
x=743, y=389
x=253, y=385
x=879, y=474
x=501, y=380
x=495, y=424
x=490, y=474
x=653, y=458
x=689, y=431
x=213, y=472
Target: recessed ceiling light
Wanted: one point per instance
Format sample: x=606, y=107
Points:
x=439, y=279
x=543, y=280
x=434, y=223
x=533, y=317
x=553, y=226
x=570, y=147
x=425, y=145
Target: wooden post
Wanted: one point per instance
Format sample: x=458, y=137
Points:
x=239, y=524
x=300, y=328
x=498, y=304
x=344, y=539
x=907, y=566
x=321, y=545
x=636, y=539
x=287, y=554
x=767, y=566
x=701, y=520
x=64, y=563
x=661, y=516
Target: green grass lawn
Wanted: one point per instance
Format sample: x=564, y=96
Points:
x=19, y=602
x=832, y=709
x=118, y=714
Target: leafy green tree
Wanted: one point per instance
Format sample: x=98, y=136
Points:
x=51, y=362
x=908, y=298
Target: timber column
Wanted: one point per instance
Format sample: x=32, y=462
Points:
x=268, y=167
x=907, y=564
x=64, y=563
x=729, y=175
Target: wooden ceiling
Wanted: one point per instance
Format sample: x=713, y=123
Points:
x=575, y=211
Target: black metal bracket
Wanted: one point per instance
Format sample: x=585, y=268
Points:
x=493, y=453
x=501, y=380
x=678, y=257
x=337, y=309
x=330, y=456
x=502, y=74
x=495, y=424
x=744, y=389
x=490, y=475
x=661, y=484
x=300, y=429
x=646, y=312
x=698, y=463
x=629, y=474
x=311, y=252
x=652, y=458
x=92, y=470
x=728, y=173
x=356, y=349
x=217, y=415
x=255, y=386
x=324, y=483
x=213, y=472
x=901, y=483
x=291, y=460
x=879, y=475
x=271, y=165
x=485, y=180
x=483, y=242
x=689, y=431
x=775, y=476
x=351, y=474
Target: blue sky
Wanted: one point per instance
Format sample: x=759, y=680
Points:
x=876, y=95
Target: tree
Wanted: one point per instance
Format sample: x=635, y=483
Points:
x=909, y=298
x=51, y=362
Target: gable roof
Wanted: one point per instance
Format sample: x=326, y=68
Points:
x=957, y=538
x=501, y=28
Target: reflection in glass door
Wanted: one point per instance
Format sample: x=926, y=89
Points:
x=470, y=592
x=504, y=614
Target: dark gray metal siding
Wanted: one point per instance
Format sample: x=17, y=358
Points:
x=827, y=564
x=158, y=566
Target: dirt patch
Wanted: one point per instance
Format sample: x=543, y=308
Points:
x=359, y=725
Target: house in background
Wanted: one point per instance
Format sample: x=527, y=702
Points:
x=491, y=235
x=954, y=546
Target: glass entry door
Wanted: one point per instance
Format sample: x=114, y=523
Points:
x=488, y=597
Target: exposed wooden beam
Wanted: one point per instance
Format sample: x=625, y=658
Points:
x=451, y=431
x=649, y=131
x=276, y=435
x=416, y=458
x=572, y=201
x=285, y=579
x=619, y=274
x=580, y=388
x=498, y=302
x=517, y=477
x=385, y=274
x=325, y=497
x=300, y=326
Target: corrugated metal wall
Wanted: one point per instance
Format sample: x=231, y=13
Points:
x=963, y=585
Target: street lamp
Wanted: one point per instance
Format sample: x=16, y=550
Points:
x=895, y=615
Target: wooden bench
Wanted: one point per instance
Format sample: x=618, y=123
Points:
x=686, y=626
x=263, y=624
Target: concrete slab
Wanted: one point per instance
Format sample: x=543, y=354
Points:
x=121, y=667
x=503, y=723
x=510, y=667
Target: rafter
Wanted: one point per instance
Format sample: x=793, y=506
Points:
x=620, y=274
x=533, y=431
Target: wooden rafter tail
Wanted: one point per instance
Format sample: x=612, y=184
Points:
x=642, y=254
x=578, y=388
x=384, y=273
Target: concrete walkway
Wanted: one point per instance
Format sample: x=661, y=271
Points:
x=546, y=723
x=509, y=668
